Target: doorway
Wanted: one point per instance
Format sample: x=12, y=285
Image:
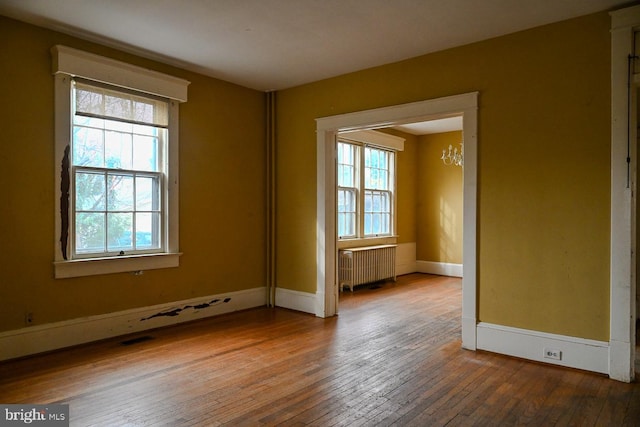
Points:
x=424, y=224
x=464, y=105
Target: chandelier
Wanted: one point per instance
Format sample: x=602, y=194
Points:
x=453, y=156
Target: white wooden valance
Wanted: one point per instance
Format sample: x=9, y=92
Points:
x=372, y=137
x=78, y=63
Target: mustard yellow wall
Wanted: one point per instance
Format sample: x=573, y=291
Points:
x=543, y=168
x=222, y=194
x=406, y=187
x=439, y=201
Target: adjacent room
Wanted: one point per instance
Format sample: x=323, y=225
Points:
x=204, y=179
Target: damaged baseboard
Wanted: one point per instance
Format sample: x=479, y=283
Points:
x=53, y=336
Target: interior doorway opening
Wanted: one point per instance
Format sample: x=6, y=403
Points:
x=425, y=233
x=464, y=105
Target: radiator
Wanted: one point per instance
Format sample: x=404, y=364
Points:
x=366, y=265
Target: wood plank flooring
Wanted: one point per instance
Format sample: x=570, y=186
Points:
x=391, y=357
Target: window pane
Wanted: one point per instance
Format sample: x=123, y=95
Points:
x=346, y=165
x=88, y=147
x=118, y=150
x=120, y=192
x=346, y=212
x=377, y=169
x=367, y=224
x=89, y=229
x=346, y=176
x=90, y=191
x=120, y=230
x=346, y=201
x=147, y=193
x=346, y=224
x=375, y=203
x=377, y=212
x=147, y=230
x=145, y=149
x=384, y=180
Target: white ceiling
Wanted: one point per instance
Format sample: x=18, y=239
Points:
x=276, y=44
x=432, y=126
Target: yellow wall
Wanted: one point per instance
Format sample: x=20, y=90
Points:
x=407, y=190
x=543, y=168
x=406, y=187
x=543, y=178
x=439, y=201
x=222, y=192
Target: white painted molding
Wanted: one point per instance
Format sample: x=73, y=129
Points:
x=625, y=18
x=327, y=128
x=375, y=138
x=90, y=66
x=296, y=300
x=623, y=211
x=578, y=353
x=439, y=268
x=93, y=266
x=437, y=108
x=52, y=336
x=406, y=258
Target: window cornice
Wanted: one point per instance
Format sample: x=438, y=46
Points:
x=106, y=70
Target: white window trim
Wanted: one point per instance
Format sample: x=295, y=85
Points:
x=69, y=63
x=386, y=141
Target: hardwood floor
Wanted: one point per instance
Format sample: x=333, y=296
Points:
x=392, y=357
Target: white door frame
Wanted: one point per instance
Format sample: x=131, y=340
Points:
x=623, y=211
x=465, y=105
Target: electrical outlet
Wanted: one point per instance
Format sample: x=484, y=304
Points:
x=552, y=353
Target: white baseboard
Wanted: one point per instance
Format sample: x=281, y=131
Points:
x=439, y=268
x=576, y=353
x=296, y=300
x=52, y=336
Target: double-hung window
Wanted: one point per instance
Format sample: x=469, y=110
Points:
x=366, y=184
x=116, y=141
x=378, y=191
x=118, y=167
x=348, y=178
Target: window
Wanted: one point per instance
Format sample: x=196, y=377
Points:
x=118, y=170
x=365, y=186
x=377, y=191
x=347, y=189
x=116, y=165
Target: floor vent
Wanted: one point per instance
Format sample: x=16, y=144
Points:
x=137, y=340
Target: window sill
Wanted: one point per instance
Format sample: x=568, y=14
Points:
x=95, y=266
x=366, y=241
